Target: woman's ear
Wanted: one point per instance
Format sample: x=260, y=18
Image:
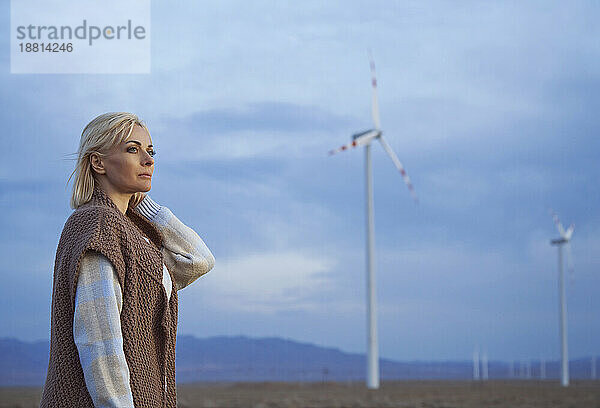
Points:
x=97, y=165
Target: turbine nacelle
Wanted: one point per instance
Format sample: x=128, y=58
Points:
x=367, y=134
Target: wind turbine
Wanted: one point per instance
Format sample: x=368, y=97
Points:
x=360, y=139
x=565, y=238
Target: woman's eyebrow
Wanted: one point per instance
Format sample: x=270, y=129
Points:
x=136, y=142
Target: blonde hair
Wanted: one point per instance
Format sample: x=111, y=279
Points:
x=100, y=136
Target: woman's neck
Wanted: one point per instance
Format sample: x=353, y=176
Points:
x=120, y=199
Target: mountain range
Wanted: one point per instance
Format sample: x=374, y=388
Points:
x=241, y=359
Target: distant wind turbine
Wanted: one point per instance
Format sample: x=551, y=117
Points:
x=484, y=366
x=476, y=375
x=521, y=369
x=360, y=139
x=542, y=369
x=565, y=239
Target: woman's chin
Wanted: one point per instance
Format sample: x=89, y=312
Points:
x=144, y=188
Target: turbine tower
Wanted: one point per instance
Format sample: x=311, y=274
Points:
x=484, y=366
x=360, y=139
x=542, y=369
x=476, y=375
x=565, y=238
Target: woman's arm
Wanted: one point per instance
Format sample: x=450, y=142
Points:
x=185, y=253
x=97, y=332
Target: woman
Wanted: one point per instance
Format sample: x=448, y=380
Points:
x=120, y=261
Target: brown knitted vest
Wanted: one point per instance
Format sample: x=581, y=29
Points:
x=148, y=323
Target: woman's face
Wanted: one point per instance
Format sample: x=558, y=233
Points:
x=129, y=166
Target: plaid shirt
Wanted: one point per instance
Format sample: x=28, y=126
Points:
x=98, y=303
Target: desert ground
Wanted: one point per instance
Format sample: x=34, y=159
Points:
x=431, y=394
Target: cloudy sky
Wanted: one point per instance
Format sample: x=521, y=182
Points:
x=492, y=108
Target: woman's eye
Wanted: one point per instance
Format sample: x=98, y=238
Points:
x=150, y=152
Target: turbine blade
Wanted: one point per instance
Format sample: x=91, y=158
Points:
x=359, y=140
x=375, y=104
x=559, y=226
x=569, y=232
x=344, y=147
x=400, y=167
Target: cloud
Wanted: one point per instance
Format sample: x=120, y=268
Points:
x=265, y=116
x=260, y=129
x=268, y=282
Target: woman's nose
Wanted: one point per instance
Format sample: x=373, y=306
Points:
x=148, y=160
